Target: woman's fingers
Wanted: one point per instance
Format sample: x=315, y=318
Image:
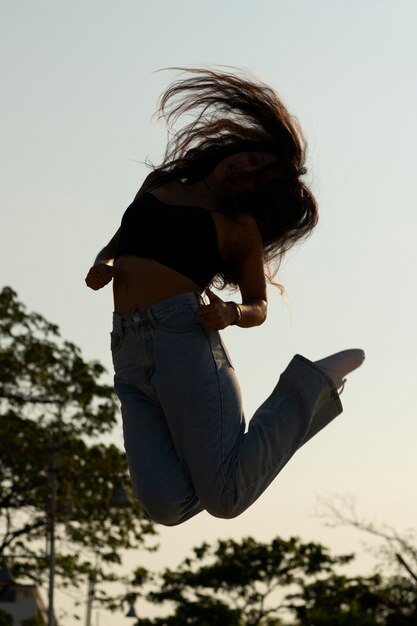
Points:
x=216, y=315
x=99, y=275
x=212, y=296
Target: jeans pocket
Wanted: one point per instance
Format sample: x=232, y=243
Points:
x=116, y=340
x=181, y=319
x=220, y=352
x=226, y=352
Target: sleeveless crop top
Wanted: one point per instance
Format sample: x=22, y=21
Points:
x=182, y=237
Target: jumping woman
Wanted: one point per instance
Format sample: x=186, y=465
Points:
x=221, y=210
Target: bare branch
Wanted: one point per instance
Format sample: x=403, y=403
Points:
x=24, y=530
x=407, y=567
x=341, y=511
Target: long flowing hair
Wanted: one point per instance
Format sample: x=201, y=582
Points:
x=233, y=113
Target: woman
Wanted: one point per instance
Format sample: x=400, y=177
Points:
x=227, y=201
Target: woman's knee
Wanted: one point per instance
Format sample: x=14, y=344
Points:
x=224, y=506
x=159, y=509
x=166, y=507
x=162, y=516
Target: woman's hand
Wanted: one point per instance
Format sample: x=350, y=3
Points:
x=99, y=275
x=218, y=314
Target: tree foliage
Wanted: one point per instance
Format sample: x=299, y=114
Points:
x=5, y=618
x=248, y=583
x=53, y=413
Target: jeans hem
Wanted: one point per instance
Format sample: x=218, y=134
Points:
x=323, y=374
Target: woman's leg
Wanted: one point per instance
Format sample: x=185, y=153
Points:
x=229, y=468
x=159, y=480
x=184, y=421
x=303, y=402
x=199, y=394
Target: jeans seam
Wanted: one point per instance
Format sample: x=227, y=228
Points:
x=148, y=344
x=221, y=416
x=273, y=466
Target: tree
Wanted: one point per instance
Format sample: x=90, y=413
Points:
x=5, y=618
x=244, y=581
x=398, y=552
x=282, y=582
x=53, y=412
x=396, y=547
x=338, y=600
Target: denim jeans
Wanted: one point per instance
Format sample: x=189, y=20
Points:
x=183, y=423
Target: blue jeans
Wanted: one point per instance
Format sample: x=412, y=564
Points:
x=183, y=423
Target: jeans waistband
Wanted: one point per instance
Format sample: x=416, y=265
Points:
x=121, y=322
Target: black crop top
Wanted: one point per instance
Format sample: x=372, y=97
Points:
x=182, y=237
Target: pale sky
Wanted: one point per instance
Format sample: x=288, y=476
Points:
x=78, y=94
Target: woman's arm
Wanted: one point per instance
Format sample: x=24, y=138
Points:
x=251, y=277
x=102, y=271
x=251, y=280
x=106, y=255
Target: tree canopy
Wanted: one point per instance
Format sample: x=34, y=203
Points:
x=54, y=411
x=282, y=582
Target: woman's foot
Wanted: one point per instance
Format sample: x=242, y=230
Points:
x=338, y=365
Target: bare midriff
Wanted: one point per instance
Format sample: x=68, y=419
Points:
x=138, y=283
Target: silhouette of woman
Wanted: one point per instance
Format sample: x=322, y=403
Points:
x=226, y=203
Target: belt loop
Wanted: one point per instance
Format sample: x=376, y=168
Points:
x=117, y=323
x=151, y=318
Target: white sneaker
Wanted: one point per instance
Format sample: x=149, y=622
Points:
x=338, y=365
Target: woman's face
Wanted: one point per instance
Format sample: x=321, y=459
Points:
x=244, y=172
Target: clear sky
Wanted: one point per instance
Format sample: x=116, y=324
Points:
x=78, y=93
